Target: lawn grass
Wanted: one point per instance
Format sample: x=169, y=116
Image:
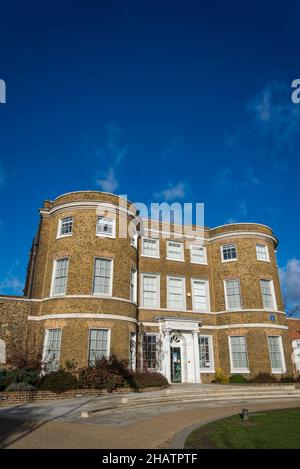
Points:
x=263, y=430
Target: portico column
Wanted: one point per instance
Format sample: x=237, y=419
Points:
x=197, y=378
x=166, y=358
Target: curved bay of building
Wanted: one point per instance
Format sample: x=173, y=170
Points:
x=182, y=305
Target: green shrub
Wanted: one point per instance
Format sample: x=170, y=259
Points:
x=263, y=378
x=221, y=377
x=287, y=379
x=237, y=379
x=146, y=379
x=17, y=375
x=22, y=386
x=58, y=381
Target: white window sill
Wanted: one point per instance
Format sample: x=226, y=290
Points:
x=229, y=260
x=199, y=263
x=208, y=370
x=64, y=235
x=264, y=260
x=58, y=295
x=152, y=257
x=103, y=295
x=99, y=235
x=240, y=370
x=176, y=260
x=278, y=372
x=230, y=310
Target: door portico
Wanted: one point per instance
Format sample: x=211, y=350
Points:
x=180, y=338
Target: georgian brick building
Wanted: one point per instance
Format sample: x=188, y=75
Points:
x=182, y=304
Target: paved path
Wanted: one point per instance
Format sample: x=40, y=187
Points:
x=57, y=424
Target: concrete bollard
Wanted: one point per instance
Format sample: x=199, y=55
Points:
x=84, y=414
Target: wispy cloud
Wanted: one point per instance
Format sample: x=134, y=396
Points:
x=11, y=283
x=112, y=154
x=290, y=280
x=175, y=146
x=275, y=116
x=172, y=192
x=108, y=181
x=227, y=179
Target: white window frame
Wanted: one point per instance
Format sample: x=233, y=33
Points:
x=45, y=347
x=132, y=350
x=207, y=308
x=222, y=255
x=134, y=240
x=157, y=255
x=133, y=291
x=108, y=340
x=193, y=261
x=111, y=277
x=107, y=235
x=177, y=277
x=54, y=267
x=283, y=368
x=168, y=258
x=238, y=370
x=296, y=353
x=226, y=298
x=267, y=252
x=157, y=335
x=211, y=368
x=142, y=275
x=60, y=222
x=272, y=293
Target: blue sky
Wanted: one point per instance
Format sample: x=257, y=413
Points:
x=165, y=100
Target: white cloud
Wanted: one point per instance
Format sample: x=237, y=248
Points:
x=111, y=154
x=173, y=192
x=175, y=147
x=290, y=280
x=108, y=181
x=11, y=283
x=276, y=117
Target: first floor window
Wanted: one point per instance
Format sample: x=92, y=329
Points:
x=98, y=344
x=60, y=276
x=176, y=293
x=150, y=290
x=198, y=254
x=65, y=226
x=238, y=352
x=262, y=253
x=133, y=276
x=296, y=353
x=102, y=276
x=200, y=295
x=150, y=352
x=268, y=296
x=150, y=247
x=229, y=252
x=175, y=250
x=206, y=353
x=51, y=349
x=233, y=294
x=276, y=354
x=105, y=226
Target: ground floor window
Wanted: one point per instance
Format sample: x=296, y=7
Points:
x=206, y=355
x=238, y=354
x=296, y=351
x=98, y=344
x=276, y=354
x=132, y=350
x=150, y=351
x=51, y=353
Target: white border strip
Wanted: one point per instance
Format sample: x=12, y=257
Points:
x=241, y=311
x=228, y=326
x=44, y=317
